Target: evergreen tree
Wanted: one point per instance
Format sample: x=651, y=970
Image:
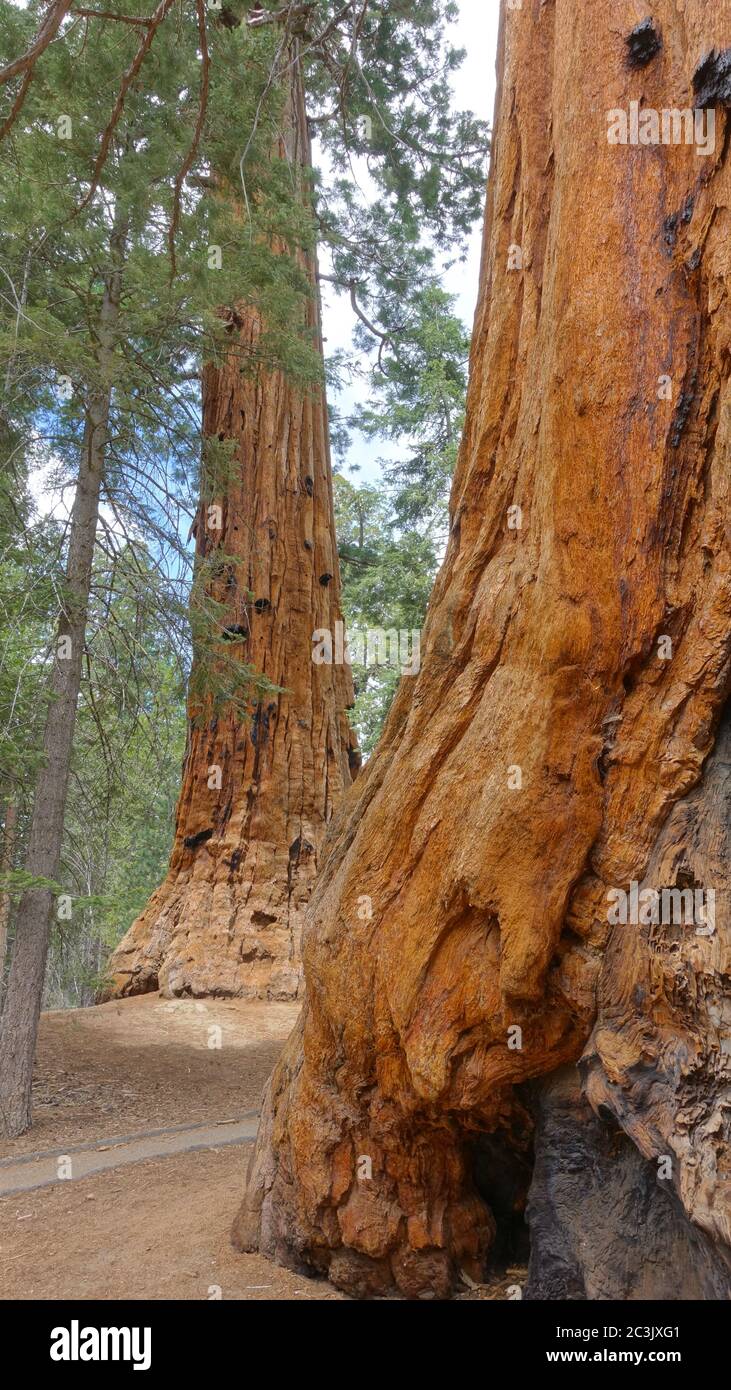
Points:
x=387, y=577
x=392, y=536
x=128, y=748
x=110, y=310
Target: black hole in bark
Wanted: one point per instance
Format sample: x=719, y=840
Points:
x=607, y=1116
x=712, y=79
x=685, y=878
x=502, y=1178
x=262, y=605
x=259, y=732
x=235, y=633
x=642, y=44
x=670, y=230
x=193, y=841
x=686, y=212
x=256, y=951
x=300, y=848
x=263, y=919
x=325, y=579
x=309, y=486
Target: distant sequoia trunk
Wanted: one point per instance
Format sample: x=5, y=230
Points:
x=227, y=919
x=493, y=1020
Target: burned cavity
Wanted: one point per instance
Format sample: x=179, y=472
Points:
x=643, y=44
x=502, y=1177
x=712, y=79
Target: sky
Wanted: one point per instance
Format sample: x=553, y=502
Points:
x=474, y=88
x=476, y=32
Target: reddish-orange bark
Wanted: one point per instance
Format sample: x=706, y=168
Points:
x=553, y=746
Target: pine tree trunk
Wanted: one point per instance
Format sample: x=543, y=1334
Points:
x=227, y=919
x=554, y=745
x=10, y=835
x=21, y=1011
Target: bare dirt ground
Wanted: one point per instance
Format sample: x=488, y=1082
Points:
x=152, y=1230
x=160, y=1228
x=146, y=1063
x=156, y=1228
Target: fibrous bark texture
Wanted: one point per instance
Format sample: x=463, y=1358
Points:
x=257, y=792
x=561, y=740
x=602, y=1225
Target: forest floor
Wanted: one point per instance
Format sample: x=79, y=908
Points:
x=145, y=1063
x=133, y=1087
x=157, y=1228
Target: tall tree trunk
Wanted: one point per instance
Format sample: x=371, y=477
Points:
x=555, y=745
x=22, y=1007
x=248, y=841
x=10, y=829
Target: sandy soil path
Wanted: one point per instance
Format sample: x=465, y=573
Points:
x=157, y=1123
x=35, y=1170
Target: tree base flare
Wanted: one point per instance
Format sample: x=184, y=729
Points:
x=386, y=1209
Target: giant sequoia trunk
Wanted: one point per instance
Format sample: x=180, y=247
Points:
x=566, y=736
x=257, y=792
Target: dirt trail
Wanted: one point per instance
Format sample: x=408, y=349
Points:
x=153, y=1230
x=149, y=1063
x=35, y=1170
x=116, y=1087
x=157, y=1125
